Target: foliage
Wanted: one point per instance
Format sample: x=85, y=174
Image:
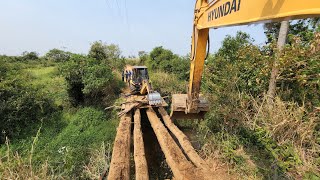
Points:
x=300, y=73
x=70, y=149
x=164, y=60
x=21, y=104
x=143, y=57
x=8, y=59
x=159, y=56
x=168, y=83
x=231, y=45
x=49, y=80
x=68, y=137
x=29, y=56
x=285, y=135
x=89, y=81
x=64, y=147
x=303, y=28
x=238, y=66
x=57, y=55
x=108, y=54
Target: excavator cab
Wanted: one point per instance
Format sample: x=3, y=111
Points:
x=138, y=79
x=134, y=76
x=140, y=73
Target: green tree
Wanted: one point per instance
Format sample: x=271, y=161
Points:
x=58, y=55
x=303, y=28
x=231, y=45
x=98, y=51
x=90, y=81
x=237, y=66
x=143, y=57
x=283, y=32
x=160, y=58
x=109, y=54
x=164, y=60
x=30, y=56
x=21, y=104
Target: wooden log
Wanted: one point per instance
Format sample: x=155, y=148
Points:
x=120, y=162
x=183, y=141
x=141, y=166
x=180, y=166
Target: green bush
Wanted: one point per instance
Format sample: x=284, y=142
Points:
x=29, y=56
x=70, y=149
x=21, y=104
x=57, y=55
x=167, y=84
x=161, y=59
x=89, y=81
x=108, y=54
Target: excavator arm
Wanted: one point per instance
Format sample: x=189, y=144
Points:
x=222, y=13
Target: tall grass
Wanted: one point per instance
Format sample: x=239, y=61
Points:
x=14, y=166
x=289, y=125
x=51, y=82
x=263, y=141
x=167, y=83
x=99, y=163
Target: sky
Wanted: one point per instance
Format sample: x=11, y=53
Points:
x=73, y=25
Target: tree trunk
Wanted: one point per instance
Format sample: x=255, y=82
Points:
x=275, y=69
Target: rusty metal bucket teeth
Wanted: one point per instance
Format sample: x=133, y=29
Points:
x=179, y=105
x=154, y=98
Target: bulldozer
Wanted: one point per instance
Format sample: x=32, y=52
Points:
x=221, y=13
x=138, y=81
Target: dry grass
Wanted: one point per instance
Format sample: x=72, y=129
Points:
x=99, y=162
x=14, y=166
x=288, y=123
x=285, y=123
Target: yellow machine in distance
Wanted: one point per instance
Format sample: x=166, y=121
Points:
x=137, y=78
x=221, y=13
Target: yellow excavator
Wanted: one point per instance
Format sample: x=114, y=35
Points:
x=221, y=13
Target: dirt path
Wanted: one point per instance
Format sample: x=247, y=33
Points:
x=120, y=162
x=180, y=166
x=141, y=166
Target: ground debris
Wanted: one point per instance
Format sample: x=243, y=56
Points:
x=133, y=102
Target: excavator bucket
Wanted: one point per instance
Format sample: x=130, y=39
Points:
x=154, y=98
x=179, y=106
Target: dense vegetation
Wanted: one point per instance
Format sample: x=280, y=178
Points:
x=54, y=126
x=52, y=114
x=243, y=125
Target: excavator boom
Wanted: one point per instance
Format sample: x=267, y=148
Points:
x=222, y=13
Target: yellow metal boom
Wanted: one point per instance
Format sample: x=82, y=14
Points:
x=221, y=13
